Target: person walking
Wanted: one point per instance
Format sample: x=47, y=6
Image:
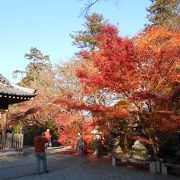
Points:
x=80, y=145
x=39, y=146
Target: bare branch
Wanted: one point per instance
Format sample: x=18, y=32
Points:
x=90, y=3
x=87, y=7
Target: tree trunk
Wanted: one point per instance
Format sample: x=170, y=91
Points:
x=3, y=124
x=155, y=152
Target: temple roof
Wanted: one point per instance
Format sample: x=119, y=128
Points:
x=11, y=93
x=11, y=89
x=16, y=90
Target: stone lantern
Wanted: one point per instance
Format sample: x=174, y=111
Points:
x=96, y=140
x=140, y=151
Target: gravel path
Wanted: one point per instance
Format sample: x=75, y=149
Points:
x=71, y=167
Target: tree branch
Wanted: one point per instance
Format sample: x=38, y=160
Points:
x=87, y=7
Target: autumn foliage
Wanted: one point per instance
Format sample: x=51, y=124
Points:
x=120, y=82
x=69, y=126
x=143, y=70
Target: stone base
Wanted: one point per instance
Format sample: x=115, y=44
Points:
x=154, y=167
x=11, y=152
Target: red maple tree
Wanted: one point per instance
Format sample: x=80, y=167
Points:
x=143, y=70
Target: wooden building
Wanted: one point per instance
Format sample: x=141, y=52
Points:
x=10, y=94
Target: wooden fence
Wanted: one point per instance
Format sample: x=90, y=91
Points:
x=13, y=141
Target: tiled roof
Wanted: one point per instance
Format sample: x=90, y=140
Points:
x=3, y=80
x=8, y=88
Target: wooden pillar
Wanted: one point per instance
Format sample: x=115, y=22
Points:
x=3, y=118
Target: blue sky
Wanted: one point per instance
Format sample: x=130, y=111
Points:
x=46, y=24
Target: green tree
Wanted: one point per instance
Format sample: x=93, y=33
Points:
x=165, y=12
x=38, y=75
x=38, y=63
x=85, y=38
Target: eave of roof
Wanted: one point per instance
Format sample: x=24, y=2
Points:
x=7, y=88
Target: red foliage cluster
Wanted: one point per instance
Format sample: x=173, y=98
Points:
x=109, y=111
x=69, y=131
x=115, y=56
x=17, y=116
x=167, y=121
x=142, y=69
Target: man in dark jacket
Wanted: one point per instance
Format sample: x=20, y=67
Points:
x=39, y=145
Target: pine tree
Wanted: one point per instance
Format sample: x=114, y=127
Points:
x=85, y=39
x=165, y=12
